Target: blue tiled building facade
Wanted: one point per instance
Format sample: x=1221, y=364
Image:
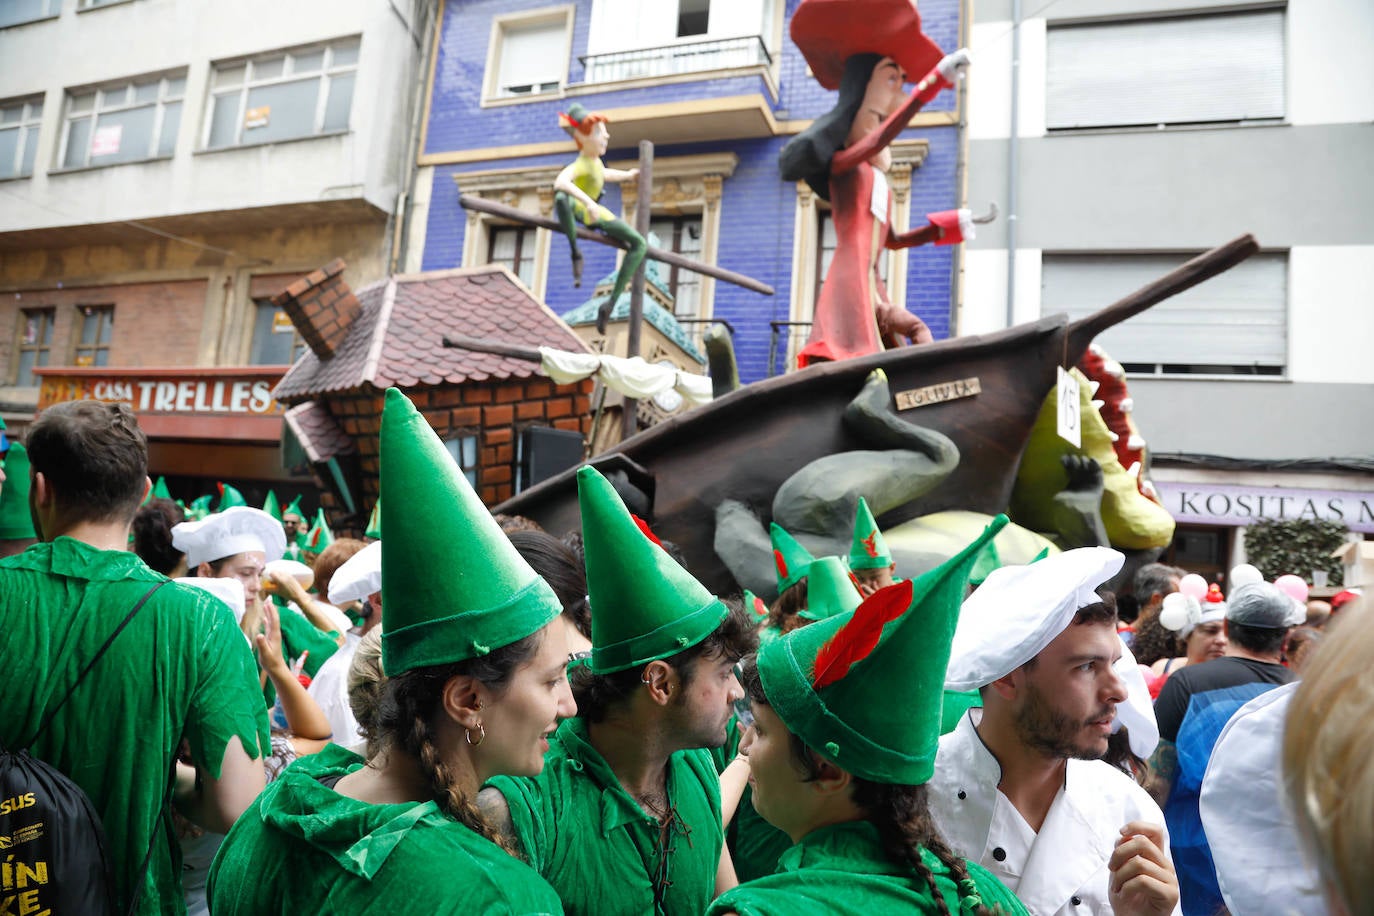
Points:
x=720, y=88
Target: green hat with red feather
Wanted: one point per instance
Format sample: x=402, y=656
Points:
x=790, y=559
x=868, y=550
x=833, y=683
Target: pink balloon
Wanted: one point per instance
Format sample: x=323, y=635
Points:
x=1292, y=586
x=1193, y=585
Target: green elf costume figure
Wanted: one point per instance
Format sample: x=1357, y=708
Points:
x=756, y=845
x=294, y=526
x=576, y=192
x=869, y=557
x=625, y=819
x=791, y=561
x=476, y=683
x=844, y=777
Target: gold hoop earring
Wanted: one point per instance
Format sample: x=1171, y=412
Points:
x=481, y=734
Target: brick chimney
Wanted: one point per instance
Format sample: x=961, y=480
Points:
x=322, y=307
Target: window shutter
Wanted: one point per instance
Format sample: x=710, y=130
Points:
x=1166, y=71
x=1238, y=318
x=533, y=54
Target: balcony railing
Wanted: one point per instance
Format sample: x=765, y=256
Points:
x=670, y=60
x=787, y=338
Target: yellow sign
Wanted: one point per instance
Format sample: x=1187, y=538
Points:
x=936, y=394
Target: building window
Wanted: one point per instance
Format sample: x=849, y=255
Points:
x=97, y=327
x=122, y=122
x=529, y=54
x=17, y=12
x=282, y=95
x=1185, y=70
x=463, y=448
x=692, y=17
x=35, y=343
x=92, y=4
x=275, y=341
x=19, y=120
x=681, y=235
x=513, y=246
x=1235, y=324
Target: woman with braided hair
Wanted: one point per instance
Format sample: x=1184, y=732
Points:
x=834, y=768
x=475, y=663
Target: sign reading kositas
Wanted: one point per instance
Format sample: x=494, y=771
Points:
x=245, y=391
x=1228, y=504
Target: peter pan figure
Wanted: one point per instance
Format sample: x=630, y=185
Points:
x=576, y=192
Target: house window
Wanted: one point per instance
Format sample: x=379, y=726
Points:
x=35, y=343
x=529, y=54
x=826, y=242
x=1185, y=70
x=1234, y=324
x=17, y=12
x=681, y=235
x=19, y=120
x=97, y=327
x=513, y=246
x=282, y=95
x=275, y=341
x=463, y=448
x=692, y=17
x=122, y=122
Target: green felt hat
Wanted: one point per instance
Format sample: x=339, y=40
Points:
x=229, y=497
x=320, y=536
x=868, y=549
x=295, y=508
x=199, y=508
x=754, y=606
x=835, y=683
x=790, y=559
x=829, y=590
x=15, y=521
x=644, y=605
x=374, y=522
x=160, y=490
x=270, y=505
x=453, y=587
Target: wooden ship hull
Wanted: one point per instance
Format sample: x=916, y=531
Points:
x=743, y=445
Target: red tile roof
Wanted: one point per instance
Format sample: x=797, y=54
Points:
x=398, y=337
x=317, y=432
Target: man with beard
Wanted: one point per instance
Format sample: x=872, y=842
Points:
x=625, y=817
x=1019, y=786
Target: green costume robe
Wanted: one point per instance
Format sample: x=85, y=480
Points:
x=841, y=870
x=583, y=832
x=304, y=848
x=181, y=668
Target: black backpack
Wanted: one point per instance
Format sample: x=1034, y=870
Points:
x=52, y=844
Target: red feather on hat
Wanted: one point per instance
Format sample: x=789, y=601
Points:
x=859, y=637
x=644, y=526
x=780, y=563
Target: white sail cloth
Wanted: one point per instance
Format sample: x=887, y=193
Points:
x=631, y=377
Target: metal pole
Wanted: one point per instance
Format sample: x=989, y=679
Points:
x=645, y=205
x=1014, y=161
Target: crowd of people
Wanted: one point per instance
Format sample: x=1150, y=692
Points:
x=465, y=713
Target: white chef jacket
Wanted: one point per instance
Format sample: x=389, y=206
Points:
x=330, y=690
x=1062, y=869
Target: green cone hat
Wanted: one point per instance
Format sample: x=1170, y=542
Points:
x=754, y=606
x=199, y=508
x=229, y=497
x=453, y=587
x=270, y=505
x=829, y=590
x=790, y=559
x=160, y=490
x=834, y=683
x=644, y=605
x=295, y=508
x=320, y=536
x=868, y=550
x=374, y=522
x=15, y=521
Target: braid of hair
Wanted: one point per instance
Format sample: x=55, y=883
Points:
x=447, y=794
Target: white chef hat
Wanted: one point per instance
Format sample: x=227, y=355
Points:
x=230, y=591
x=235, y=530
x=359, y=576
x=1137, y=714
x=1019, y=610
x=1183, y=613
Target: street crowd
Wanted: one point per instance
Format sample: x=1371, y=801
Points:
x=462, y=713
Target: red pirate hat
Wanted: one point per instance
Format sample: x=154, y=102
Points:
x=828, y=32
